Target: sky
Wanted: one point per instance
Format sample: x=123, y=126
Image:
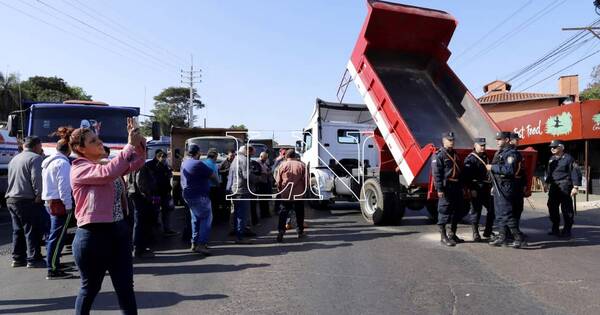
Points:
x=265, y=62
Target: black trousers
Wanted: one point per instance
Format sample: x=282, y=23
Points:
x=450, y=207
x=144, y=217
x=559, y=196
x=284, y=211
x=503, y=205
x=483, y=199
x=26, y=224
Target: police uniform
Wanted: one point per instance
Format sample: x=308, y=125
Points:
x=479, y=184
x=446, y=171
x=504, y=166
x=520, y=183
x=561, y=175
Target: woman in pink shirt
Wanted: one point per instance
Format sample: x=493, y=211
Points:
x=103, y=238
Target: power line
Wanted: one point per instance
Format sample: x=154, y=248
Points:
x=565, y=68
x=38, y=19
x=497, y=26
x=120, y=28
x=106, y=34
x=538, y=15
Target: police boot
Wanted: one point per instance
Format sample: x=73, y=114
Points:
x=453, y=235
x=444, y=237
x=500, y=239
x=519, y=240
x=476, y=236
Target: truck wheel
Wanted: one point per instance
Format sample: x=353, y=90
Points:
x=432, y=209
x=317, y=204
x=376, y=207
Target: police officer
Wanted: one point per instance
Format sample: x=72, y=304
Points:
x=562, y=179
x=446, y=174
x=503, y=168
x=520, y=179
x=478, y=182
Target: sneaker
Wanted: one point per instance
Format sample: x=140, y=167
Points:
x=249, y=233
x=58, y=274
x=146, y=253
x=243, y=241
x=301, y=235
x=170, y=233
x=18, y=263
x=279, y=237
x=36, y=264
x=67, y=268
x=203, y=249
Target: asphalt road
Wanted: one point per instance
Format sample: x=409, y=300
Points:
x=344, y=267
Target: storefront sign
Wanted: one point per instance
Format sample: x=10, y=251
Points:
x=568, y=122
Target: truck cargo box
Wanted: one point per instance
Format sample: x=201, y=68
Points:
x=399, y=65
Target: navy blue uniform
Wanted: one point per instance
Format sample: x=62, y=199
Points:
x=504, y=167
x=561, y=175
x=446, y=175
x=478, y=182
x=520, y=185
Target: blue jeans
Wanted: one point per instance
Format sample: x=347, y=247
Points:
x=240, y=209
x=143, y=215
x=201, y=213
x=56, y=240
x=101, y=247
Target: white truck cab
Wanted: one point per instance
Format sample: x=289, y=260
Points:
x=338, y=147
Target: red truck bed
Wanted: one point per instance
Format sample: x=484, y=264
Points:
x=399, y=65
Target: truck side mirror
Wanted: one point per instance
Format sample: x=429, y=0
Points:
x=299, y=147
x=13, y=125
x=155, y=130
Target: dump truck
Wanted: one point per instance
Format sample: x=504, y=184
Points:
x=399, y=66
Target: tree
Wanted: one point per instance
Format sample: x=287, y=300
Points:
x=593, y=90
x=51, y=89
x=171, y=109
x=9, y=94
x=238, y=127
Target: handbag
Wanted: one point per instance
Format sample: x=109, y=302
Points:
x=57, y=207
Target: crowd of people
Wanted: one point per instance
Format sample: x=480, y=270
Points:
x=118, y=204
x=499, y=184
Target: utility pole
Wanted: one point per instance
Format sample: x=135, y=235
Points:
x=190, y=77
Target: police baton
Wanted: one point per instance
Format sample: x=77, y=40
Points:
x=575, y=205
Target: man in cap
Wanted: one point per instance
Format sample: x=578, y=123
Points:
x=562, y=180
x=503, y=169
x=446, y=171
x=479, y=184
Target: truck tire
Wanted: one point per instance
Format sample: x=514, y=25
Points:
x=317, y=204
x=377, y=207
x=431, y=207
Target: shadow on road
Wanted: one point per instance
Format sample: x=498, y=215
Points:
x=105, y=301
x=586, y=232
x=192, y=269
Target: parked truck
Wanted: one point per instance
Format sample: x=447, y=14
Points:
x=337, y=139
x=399, y=66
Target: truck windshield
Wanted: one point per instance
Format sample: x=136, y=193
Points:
x=109, y=123
x=223, y=145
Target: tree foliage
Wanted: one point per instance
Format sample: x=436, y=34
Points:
x=51, y=89
x=238, y=127
x=171, y=109
x=593, y=90
x=9, y=94
x=35, y=89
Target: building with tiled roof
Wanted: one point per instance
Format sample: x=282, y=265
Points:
x=502, y=104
